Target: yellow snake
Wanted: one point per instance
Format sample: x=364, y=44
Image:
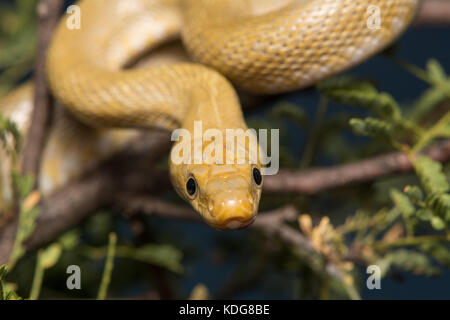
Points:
x=262, y=46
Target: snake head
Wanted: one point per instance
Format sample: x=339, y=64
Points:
x=226, y=196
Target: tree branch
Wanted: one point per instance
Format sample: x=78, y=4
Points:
x=272, y=223
x=317, y=180
x=48, y=12
x=434, y=12
x=131, y=170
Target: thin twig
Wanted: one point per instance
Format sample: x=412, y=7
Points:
x=271, y=223
x=38, y=277
x=434, y=12
x=411, y=241
x=48, y=12
x=109, y=265
x=312, y=181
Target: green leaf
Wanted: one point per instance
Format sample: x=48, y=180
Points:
x=437, y=223
x=402, y=203
x=425, y=104
x=372, y=127
x=69, y=240
x=436, y=71
x=431, y=175
x=3, y=272
x=424, y=214
x=412, y=261
x=346, y=90
x=414, y=193
x=6, y=290
x=440, y=203
x=439, y=252
x=27, y=216
x=50, y=255
x=346, y=83
x=8, y=129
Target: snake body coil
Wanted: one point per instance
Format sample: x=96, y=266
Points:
x=262, y=46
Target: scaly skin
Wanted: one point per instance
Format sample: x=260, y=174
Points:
x=262, y=46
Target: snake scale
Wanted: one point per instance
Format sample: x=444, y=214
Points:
x=261, y=46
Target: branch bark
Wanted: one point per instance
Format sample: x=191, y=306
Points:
x=48, y=12
x=312, y=181
x=272, y=223
x=131, y=170
x=433, y=12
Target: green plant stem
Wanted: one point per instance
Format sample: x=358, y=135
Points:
x=314, y=133
x=109, y=266
x=352, y=292
x=17, y=251
x=371, y=222
x=410, y=241
x=409, y=126
x=431, y=133
x=37, y=278
x=413, y=69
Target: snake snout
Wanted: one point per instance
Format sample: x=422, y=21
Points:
x=232, y=210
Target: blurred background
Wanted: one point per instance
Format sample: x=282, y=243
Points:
x=159, y=257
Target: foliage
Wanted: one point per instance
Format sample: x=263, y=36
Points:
x=28, y=213
x=17, y=41
x=162, y=255
x=6, y=290
x=415, y=205
x=46, y=259
x=9, y=136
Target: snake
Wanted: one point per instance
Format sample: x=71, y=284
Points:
x=258, y=46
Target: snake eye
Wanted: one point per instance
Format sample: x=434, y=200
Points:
x=257, y=176
x=191, y=186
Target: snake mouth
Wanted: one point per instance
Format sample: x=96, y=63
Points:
x=232, y=223
x=231, y=213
